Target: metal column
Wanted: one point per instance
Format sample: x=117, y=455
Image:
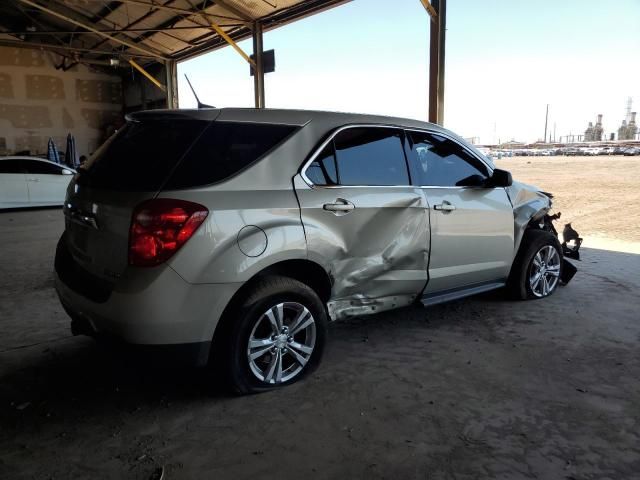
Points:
x=436, y=62
x=171, y=71
x=258, y=77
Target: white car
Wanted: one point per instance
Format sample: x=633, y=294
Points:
x=32, y=182
x=593, y=151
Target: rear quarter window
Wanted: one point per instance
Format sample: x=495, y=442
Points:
x=225, y=149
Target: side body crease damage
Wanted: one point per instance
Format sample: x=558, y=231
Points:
x=379, y=256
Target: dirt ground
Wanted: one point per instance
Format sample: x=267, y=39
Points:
x=478, y=388
x=599, y=195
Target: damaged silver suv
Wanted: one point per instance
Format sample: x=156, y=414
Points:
x=232, y=236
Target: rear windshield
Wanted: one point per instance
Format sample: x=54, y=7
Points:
x=147, y=155
x=141, y=155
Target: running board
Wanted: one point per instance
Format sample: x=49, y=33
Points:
x=457, y=293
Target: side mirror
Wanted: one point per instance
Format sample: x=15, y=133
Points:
x=500, y=178
x=66, y=172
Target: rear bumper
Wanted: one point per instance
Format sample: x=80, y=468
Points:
x=160, y=310
x=171, y=355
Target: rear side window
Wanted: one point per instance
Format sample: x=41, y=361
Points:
x=142, y=155
x=224, y=149
x=371, y=156
x=368, y=156
x=438, y=161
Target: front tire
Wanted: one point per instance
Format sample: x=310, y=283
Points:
x=537, y=268
x=277, y=337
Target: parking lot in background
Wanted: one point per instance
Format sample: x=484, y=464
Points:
x=598, y=195
x=539, y=389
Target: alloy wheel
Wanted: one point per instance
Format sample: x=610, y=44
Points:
x=281, y=342
x=545, y=271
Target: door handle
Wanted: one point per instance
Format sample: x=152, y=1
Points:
x=341, y=206
x=33, y=179
x=445, y=207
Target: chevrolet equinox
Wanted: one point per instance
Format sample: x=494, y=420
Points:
x=235, y=235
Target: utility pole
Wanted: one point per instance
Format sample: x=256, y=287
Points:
x=546, y=119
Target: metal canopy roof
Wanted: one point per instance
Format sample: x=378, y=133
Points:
x=99, y=32
x=96, y=30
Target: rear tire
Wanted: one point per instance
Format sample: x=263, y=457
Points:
x=277, y=335
x=537, y=268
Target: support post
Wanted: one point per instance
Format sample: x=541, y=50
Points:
x=258, y=69
x=436, y=62
x=171, y=71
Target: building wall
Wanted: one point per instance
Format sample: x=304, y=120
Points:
x=38, y=102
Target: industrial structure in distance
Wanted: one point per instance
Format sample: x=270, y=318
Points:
x=593, y=142
x=594, y=133
x=628, y=131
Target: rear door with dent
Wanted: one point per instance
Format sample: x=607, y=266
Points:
x=364, y=221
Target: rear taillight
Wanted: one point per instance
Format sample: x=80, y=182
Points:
x=160, y=227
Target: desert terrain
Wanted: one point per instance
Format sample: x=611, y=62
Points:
x=599, y=195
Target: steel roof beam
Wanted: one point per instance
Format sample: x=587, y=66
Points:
x=150, y=77
x=112, y=8
x=184, y=14
x=269, y=22
x=430, y=10
x=126, y=30
x=236, y=11
x=233, y=44
x=92, y=29
x=40, y=22
x=183, y=11
x=54, y=48
x=136, y=21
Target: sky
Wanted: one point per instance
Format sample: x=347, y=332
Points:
x=505, y=61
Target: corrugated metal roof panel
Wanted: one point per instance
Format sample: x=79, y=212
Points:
x=168, y=28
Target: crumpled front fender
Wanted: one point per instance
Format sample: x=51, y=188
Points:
x=529, y=203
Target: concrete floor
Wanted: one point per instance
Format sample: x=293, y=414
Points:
x=479, y=388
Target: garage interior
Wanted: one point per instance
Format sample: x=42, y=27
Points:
x=80, y=66
x=479, y=388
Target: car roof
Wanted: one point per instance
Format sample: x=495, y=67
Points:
x=315, y=124
x=283, y=116
x=24, y=157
